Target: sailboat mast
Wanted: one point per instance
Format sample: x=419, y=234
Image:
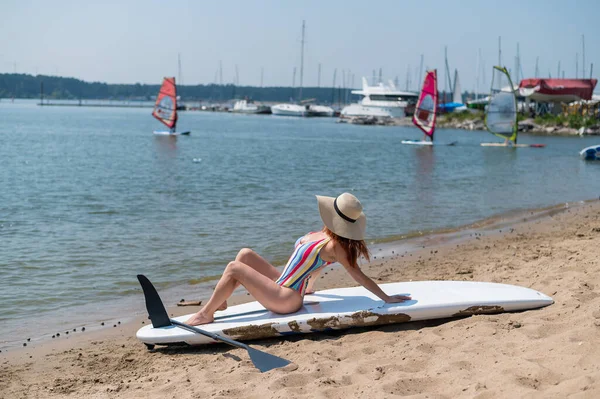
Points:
x=301, y=61
x=179, y=68
x=294, y=78
x=518, y=66
x=221, y=72
x=343, y=85
x=421, y=72
x=499, y=50
x=499, y=62
x=319, y=76
x=448, y=79
x=583, y=55
x=478, y=70
x=333, y=87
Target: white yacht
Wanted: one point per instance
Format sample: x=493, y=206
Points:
x=250, y=107
x=301, y=110
x=321, y=110
x=292, y=110
x=382, y=101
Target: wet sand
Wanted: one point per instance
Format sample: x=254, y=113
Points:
x=545, y=353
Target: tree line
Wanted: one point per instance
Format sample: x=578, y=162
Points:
x=62, y=88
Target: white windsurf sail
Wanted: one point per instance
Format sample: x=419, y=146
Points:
x=501, y=112
x=457, y=95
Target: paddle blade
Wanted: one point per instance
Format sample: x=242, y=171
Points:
x=265, y=361
x=156, y=309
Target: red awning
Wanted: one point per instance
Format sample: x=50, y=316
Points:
x=562, y=90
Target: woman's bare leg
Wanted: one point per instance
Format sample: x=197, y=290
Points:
x=258, y=263
x=271, y=295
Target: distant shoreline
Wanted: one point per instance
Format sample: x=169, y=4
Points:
x=462, y=121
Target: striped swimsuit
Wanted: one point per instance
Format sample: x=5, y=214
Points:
x=305, y=260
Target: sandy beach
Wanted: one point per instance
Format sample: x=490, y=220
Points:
x=551, y=352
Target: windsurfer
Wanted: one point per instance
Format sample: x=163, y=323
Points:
x=426, y=108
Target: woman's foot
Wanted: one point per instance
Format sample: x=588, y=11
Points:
x=199, y=319
x=223, y=306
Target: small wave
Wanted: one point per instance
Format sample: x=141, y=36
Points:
x=204, y=279
x=111, y=212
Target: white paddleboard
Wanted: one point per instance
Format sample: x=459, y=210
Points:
x=513, y=145
x=356, y=307
x=420, y=142
x=591, y=153
x=169, y=133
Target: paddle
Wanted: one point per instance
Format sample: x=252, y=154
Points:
x=159, y=317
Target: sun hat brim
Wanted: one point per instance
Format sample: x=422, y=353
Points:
x=338, y=225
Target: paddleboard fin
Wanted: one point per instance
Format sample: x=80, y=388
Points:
x=156, y=309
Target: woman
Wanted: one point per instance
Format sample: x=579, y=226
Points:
x=341, y=240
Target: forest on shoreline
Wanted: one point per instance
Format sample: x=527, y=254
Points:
x=63, y=88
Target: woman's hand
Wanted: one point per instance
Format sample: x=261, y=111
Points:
x=397, y=298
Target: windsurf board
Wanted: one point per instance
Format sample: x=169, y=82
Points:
x=169, y=133
x=428, y=143
x=512, y=145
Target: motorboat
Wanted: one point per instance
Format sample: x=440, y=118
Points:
x=321, y=110
x=381, y=101
x=292, y=110
x=246, y=106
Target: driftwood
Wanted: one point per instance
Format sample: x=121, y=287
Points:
x=183, y=302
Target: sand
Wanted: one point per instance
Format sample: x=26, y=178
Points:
x=553, y=352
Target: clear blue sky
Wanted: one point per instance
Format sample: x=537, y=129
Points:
x=130, y=41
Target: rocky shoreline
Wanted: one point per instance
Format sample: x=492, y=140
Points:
x=527, y=125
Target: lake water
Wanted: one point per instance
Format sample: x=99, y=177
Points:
x=90, y=197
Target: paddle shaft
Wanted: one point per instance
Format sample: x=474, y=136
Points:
x=214, y=336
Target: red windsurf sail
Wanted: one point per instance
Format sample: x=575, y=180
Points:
x=165, y=109
x=426, y=110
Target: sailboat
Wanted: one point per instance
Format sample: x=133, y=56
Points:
x=165, y=109
x=501, y=113
x=457, y=104
x=302, y=108
x=426, y=111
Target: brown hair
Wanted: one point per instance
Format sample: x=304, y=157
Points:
x=353, y=248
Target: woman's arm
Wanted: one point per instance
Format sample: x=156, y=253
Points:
x=369, y=284
x=311, y=282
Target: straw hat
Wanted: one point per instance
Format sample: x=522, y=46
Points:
x=343, y=215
